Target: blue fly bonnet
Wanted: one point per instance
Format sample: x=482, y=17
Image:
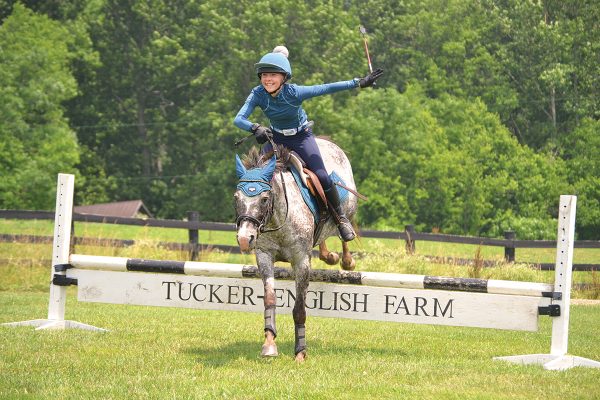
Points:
x=256, y=180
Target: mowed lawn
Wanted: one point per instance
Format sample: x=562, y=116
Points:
x=170, y=353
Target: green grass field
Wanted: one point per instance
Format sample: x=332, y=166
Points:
x=165, y=353
x=170, y=353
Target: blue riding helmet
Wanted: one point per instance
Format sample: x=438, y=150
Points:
x=274, y=62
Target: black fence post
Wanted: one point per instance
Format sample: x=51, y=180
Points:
x=410, y=241
x=193, y=216
x=509, y=249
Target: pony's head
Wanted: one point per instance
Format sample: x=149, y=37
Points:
x=253, y=197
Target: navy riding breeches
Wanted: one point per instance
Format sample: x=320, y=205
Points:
x=305, y=144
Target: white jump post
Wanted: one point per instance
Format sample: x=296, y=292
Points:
x=63, y=218
x=558, y=359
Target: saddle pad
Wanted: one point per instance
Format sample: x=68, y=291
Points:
x=344, y=194
x=307, y=196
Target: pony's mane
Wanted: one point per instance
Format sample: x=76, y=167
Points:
x=256, y=159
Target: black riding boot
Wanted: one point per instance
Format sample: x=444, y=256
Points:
x=344, y=225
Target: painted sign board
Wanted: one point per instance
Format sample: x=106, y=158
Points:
x=323, y=299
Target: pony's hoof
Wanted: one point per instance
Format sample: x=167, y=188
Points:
x=332, y=258
x=348, y=265
x=301, y=357
x=269, y=350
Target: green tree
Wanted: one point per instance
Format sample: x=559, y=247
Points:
x=580, y=150
x=400, y=137
x=446, y=163
x=157, y=114
x=446, y=47
x=35, y=139
x=550, y=57
x=533, y=63
x=502, y=185
x=159, y=83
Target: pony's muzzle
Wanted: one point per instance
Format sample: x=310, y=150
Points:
x=246, y=236
x=246, y=243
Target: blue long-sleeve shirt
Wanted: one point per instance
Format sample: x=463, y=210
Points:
x=285, y=111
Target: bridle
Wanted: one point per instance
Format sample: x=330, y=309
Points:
x=261, y=224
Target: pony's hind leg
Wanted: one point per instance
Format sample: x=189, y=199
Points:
x=329, y=257
x=302, y=270
x=265, y=266
x=348, y=262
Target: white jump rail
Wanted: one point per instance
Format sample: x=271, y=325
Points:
x=340, y=294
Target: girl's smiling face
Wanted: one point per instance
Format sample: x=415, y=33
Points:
x=272, y=82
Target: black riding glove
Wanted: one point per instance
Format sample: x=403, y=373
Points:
x=370, y=79
x=261, y=133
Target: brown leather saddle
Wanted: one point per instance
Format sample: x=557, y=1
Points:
x=310, y=179
x=312, y=182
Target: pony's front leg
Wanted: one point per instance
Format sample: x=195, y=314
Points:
x=265, y=266
x=302, y=270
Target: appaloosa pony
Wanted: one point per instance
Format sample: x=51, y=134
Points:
x=274, y=220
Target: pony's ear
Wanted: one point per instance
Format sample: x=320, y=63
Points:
x=240, y=170
x=269, y=169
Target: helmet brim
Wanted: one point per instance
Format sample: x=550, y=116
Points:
x=264, y=67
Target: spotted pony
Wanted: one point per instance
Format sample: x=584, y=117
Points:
x=275, y=222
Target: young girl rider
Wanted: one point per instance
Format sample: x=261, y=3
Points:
x=281, y=102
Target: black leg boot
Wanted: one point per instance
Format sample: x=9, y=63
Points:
x=344, y=225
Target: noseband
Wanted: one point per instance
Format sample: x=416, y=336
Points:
x=261, y=224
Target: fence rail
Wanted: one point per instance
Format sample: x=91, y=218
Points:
x=193, y=225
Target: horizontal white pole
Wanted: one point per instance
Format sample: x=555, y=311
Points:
x=98, y=262
x=519, y=288
x=222, y=270
x=385, y=279
x=379, y=279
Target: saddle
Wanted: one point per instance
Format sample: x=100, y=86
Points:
x=308, y=178
x=305, y=178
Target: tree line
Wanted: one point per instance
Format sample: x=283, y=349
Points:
x=487, y=111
